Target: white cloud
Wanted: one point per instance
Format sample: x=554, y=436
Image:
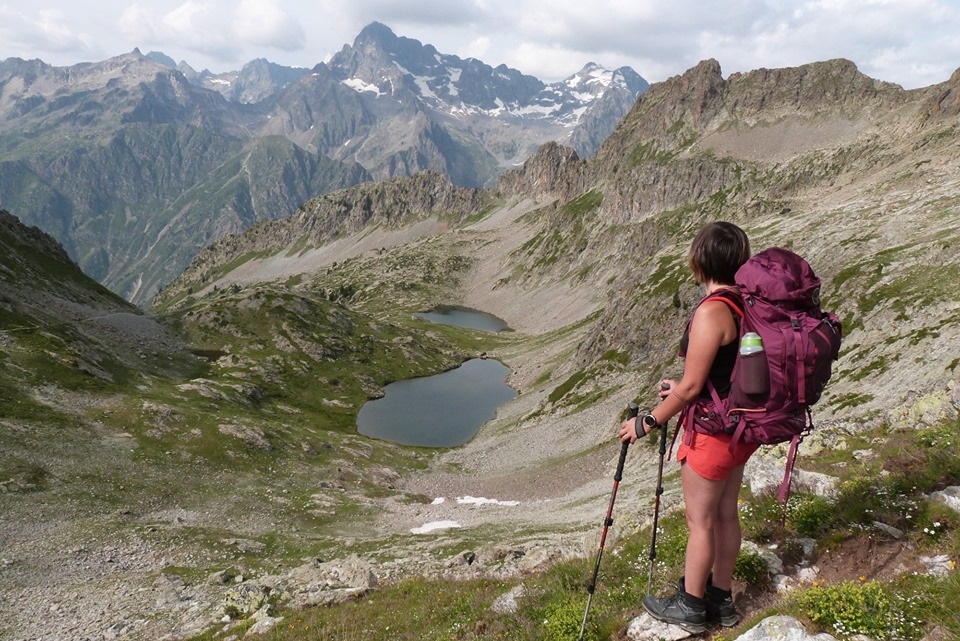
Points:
x=27, y=36
x=193, y=26
x=54, y=27
x=136, y=23
x=422, y=12
x=198, y=26
x=547, y=62
x=476, y=48
x=885, y=39
x=911, y=42
x=216, y=28
x=265, y=23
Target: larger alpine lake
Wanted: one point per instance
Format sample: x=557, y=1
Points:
x=445, y=410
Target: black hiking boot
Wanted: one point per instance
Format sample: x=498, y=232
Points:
x=681, y=609
x=720, y=608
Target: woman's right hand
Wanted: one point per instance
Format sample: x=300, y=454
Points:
x=666, y=386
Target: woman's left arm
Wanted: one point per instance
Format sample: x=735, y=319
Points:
x=711, y=327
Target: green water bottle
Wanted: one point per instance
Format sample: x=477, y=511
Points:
x=753, y=374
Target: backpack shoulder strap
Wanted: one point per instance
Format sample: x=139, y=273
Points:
x=732, y=299
x=734, y=302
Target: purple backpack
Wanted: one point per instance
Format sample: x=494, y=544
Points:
x=781, y=303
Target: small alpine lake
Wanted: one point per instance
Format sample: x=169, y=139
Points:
x=464, y=317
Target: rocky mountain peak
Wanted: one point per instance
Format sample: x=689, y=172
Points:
x=381, y=62
x=832, y=85
x=376, y=33
x=162, y=58
x=550, y=173
x=674, y=113
x=595, y=80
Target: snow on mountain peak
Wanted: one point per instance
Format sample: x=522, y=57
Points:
x=381, y=64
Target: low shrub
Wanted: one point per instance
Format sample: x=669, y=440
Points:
x=861, y=608
x=810, y=515
x=751, y=568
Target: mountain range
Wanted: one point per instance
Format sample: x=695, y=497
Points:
x=135, y=164
x=164, y=461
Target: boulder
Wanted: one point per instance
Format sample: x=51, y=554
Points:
x=782, y=628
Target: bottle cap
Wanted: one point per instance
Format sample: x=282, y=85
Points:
x=751, y=339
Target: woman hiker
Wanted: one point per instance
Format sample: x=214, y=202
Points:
x=710, y=475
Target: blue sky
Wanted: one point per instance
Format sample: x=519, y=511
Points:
x=914, y=43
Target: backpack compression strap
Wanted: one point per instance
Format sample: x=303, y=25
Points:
x=801, y=352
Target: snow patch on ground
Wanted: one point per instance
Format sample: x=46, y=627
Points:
x=479, y=500
x=434, y=525
x=461, y=500
x=475, y=500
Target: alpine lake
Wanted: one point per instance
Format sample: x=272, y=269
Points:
x=448, y=409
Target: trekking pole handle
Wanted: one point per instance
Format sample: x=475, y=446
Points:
x=633, y=410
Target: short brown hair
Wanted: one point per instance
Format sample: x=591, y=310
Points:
x=717, y=252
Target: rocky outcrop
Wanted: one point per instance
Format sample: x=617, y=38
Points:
x=835, y=87
x=389, y=204
x=18, y=237
x=554, y=172
x=946, y=102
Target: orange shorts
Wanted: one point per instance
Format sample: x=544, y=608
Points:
x=709, y=454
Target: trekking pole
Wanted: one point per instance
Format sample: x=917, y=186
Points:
x=632, y=410
x=656, y=507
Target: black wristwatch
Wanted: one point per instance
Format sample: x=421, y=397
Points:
x=650, y=421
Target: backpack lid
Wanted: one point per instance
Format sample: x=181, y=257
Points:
x=779, y=276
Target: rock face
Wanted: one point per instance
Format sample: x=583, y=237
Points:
x=946, y=102
x=554, y=172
